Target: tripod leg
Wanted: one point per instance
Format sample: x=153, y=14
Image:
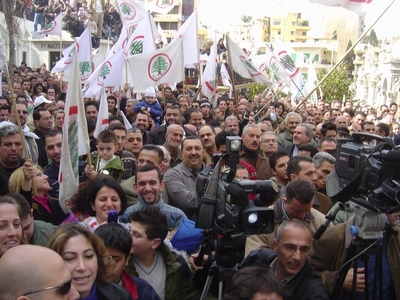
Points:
x=220, y=289
x=206, y=288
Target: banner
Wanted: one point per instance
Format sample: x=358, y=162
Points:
x=131, y=13
x=53, y=28
x=142, y=40
x=226, y=79
x=161, y=66
x=242, y=65
x=103, y=121
x=162, y=6
x=75, y=138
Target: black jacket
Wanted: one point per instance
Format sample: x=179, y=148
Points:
x=111, y=291
x=306, y=285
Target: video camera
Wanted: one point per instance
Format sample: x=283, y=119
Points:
x=224, y=205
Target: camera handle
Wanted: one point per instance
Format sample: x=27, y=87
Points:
x=359, y=249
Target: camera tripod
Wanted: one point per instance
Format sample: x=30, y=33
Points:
x=224, y=275
x=360, y=250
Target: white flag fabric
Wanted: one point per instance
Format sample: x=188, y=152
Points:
x=142, y=40
x=3, y=56
x=108, y=74
x=287, y=64
x=126, y=122
x=354, y=5
x=162, y=6
x=226, y=79
x=75, y=139
x=103, y=121
x=242, y=65
x=84, y=50
x=209, y=79
x=161, y=66
x=53, y=28
x=311, y=82
x=261, y=62
x=121, y=42
x=161, y=36
x=190, y=36
x=203, y=59
x=131, y=13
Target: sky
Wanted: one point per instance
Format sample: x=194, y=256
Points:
x=220, y=14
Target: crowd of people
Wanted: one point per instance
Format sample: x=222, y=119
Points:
x=147, y=175
x=99, y=15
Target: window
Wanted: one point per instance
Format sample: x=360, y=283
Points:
x=292, y=33
x=277, y=22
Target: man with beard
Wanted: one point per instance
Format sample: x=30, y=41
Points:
x=180, y=181
x=269, y=143
x=207, y=135
x=172, y=116
x=148, y=185
x=279, y=163
x=92, y=110
x=249, y=154
x=53, y=140
x=173, y=141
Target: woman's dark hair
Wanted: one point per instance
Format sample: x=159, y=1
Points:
x=81, y=202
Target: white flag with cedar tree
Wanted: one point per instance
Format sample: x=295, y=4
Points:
x=53, y=28
x=161, y=66
x=162, y=6
x=131, y=13
x=108, y=74
x=75, y=140
x=142, y=40
x=242, y=65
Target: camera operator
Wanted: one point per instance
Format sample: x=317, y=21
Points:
x=297, y=203
x=330, y=254
x=289, y=261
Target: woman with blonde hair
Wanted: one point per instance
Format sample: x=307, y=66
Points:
x=85, y=256
x=45, y=208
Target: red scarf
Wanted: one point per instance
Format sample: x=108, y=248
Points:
x=129, y=284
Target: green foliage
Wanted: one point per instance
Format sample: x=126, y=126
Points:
x=336, y=84
x=159, y=65
x=373, y=39
x=256, y=88
x=246, y=19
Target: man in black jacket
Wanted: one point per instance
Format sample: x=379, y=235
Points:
x=289, y=261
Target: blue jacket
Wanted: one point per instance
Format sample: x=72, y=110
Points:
x=155, y=110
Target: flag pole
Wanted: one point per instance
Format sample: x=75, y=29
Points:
x=344, y=56
x=232, y=74
x=20, y=132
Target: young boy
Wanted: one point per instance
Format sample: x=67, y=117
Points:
x=150, y=105
x=106, y=162
x=118, y=243
x=166, y=271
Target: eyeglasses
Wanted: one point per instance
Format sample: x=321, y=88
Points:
x=291, y=249
x=63, y=289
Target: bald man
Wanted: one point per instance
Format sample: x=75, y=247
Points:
x=39, y=275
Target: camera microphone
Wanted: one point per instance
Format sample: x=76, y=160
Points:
x=389, y=156
x=238, y=195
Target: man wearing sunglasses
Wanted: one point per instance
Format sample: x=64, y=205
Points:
x=289, y=261
x=39, y=275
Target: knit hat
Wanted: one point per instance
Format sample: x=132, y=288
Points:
x=150, y=92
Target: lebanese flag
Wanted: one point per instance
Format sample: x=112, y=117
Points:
x=161, y=66
x=188, y=32
x=76, y=142
x=131, y=13
x=353, y=5
x=209, y=80
x=162, y=6
x=103, y=121
x=53, y=28
x=242, y=65
x=226, y=79
x=108, y=73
